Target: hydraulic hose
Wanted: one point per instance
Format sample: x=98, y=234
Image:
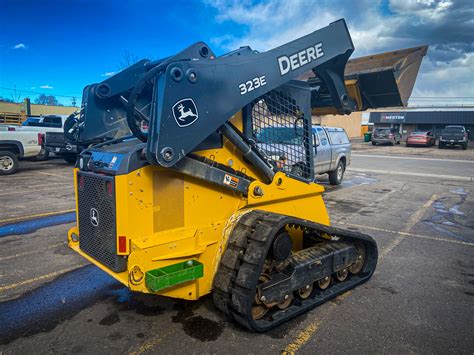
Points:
x=231, y=134
x=132, y=123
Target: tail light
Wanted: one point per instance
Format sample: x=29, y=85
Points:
x=122, y=244
x=40, y=139
x=109, y=188
x=81, y=182
x=11, y=129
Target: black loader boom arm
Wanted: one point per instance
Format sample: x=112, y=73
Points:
x=175, y=104
x=218, y=88
x=183, y=99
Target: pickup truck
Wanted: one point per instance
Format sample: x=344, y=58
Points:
x=453, y=135
x=50, y=123
x=56, y=143
x=333, y=152
x=15, y=145
x=332, y=148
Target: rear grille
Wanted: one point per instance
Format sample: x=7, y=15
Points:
x=97, y=227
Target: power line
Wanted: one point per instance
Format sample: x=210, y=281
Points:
x=40, y=93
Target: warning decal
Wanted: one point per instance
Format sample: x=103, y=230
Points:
x=231, y=181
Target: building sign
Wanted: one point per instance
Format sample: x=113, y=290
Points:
x=397, y=117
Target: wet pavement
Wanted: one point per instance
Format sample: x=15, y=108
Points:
x=419, y=300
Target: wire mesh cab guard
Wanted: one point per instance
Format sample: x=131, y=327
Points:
x=279, y=127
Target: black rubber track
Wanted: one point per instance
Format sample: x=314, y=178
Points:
x=242, y=263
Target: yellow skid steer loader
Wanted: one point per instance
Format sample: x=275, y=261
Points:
x=184, y=190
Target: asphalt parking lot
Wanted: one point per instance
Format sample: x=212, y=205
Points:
x=420, y=299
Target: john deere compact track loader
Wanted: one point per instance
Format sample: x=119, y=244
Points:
x=201, y=197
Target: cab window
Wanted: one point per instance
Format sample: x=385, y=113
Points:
x=52, y=121
x=322, y=136
x=338, y=137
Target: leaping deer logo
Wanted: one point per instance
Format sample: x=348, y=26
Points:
x=185, y=112
x=94, y=217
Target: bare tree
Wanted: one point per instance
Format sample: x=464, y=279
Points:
x=128, y=58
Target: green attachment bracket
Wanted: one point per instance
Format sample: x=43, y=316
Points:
x=175, y=274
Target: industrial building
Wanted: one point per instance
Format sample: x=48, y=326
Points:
x=424, y=119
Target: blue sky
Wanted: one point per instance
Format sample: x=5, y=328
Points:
x=58, y=47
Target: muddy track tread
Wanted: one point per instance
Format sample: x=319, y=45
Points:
x=243, y=260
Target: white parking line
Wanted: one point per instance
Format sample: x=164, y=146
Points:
x=404, y=157
x=394, y=172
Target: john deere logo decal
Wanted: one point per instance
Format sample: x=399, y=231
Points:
x=94, y=217
x=185, y=112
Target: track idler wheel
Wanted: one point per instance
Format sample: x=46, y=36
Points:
x=259, y=309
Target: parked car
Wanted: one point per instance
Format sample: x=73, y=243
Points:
x=453, y=135
x=55, y=142
x=422, y=138
x=331, y=145
x=15, y=145
x=386, y=136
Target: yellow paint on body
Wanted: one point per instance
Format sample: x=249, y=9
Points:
x=168, y=217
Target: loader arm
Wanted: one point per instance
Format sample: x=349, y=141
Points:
x=218, y=88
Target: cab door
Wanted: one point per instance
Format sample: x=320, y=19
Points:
x=322, y=159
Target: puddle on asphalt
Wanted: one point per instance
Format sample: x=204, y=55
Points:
x=196, y=326
x=111, y=319
x=449, y=214
x=356, y=179
x=139, y=303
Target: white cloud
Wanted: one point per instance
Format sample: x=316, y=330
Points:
x=33, y=88
x=46, y=87
x=19, y=46
x=109, y=73
x=445, y=25
x=269, y=24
